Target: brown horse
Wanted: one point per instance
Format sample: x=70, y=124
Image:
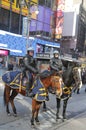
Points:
x=10, y=93
x=68, y=81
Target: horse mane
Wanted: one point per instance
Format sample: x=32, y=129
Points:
x=46, y=81
x=68, y=74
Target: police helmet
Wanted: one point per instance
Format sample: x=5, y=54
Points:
x=30, y=49
x=56, y=52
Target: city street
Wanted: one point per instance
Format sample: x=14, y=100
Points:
x=42, y=38
x=76, y=113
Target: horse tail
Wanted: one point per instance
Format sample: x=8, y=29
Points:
x=4, y=96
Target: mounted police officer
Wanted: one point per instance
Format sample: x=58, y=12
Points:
x=56, y=65
x=30, y=68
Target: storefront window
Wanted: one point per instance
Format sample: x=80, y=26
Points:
x=41, y=2
x=4, y=19
x=45, y=2
x=39, y=48
x=47, y=49
x=15, y=22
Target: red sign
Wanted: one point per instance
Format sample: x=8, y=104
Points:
x=4, y=52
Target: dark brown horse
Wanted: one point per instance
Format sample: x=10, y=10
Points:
x=68, y=86
x=10, y=93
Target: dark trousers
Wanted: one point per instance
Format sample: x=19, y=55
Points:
x=30, y=80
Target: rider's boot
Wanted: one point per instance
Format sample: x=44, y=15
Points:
x=47, y=97
x=28, y=90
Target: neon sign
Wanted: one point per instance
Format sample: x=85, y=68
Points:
x=4, y=52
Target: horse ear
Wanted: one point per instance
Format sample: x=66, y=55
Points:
x=65, y=63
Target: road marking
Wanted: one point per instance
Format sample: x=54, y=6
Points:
x=47, y=119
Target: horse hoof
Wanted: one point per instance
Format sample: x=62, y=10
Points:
x=32, y=126
x=56, y=119
x=64, y=119
x=37, y=122
x=8, y=114
x=15, y=115
x=44, y=109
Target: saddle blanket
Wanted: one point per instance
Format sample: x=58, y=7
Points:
x=39, y=90
x=13, y=78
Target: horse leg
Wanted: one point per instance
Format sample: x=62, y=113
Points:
x=34, y=102
x=78, y=91
x=44, y=106
x=58, y=108
x=37, y=112
x=13, y=95
x=64, y=108
x=6, y=98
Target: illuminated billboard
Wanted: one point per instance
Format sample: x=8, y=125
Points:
x=59, y=18
x=4, y=52
x=15, y=6
x=43, y=20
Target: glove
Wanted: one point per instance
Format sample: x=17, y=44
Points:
x=60, y=72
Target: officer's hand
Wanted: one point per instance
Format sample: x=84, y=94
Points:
x=60, y=72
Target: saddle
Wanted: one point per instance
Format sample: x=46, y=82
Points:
x=45, y=74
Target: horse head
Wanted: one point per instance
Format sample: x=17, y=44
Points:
x=53, y=81
x=57, y=85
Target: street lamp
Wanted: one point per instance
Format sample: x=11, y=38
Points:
x=24, y=3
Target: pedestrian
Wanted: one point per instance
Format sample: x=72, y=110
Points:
x=10, y=66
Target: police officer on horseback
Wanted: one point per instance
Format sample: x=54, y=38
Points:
x=56, y=65
x=29, y=68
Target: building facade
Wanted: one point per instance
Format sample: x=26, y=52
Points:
x=81, y=37
x=55, y=22
x=47, y=23
x=70, y=26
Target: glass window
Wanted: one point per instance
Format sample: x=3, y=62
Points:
x=15, y=22
x=45, y=2
x=40, y=48
x=41, y=2
x=47, y=49
x=4, y=19
x=48, y=3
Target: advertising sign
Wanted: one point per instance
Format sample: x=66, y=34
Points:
x=43, y=55
x=43, y=20
x=16, y=5
x=4, y=52
x=59, y=18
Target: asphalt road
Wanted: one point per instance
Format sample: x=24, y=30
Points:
x=76, y=113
